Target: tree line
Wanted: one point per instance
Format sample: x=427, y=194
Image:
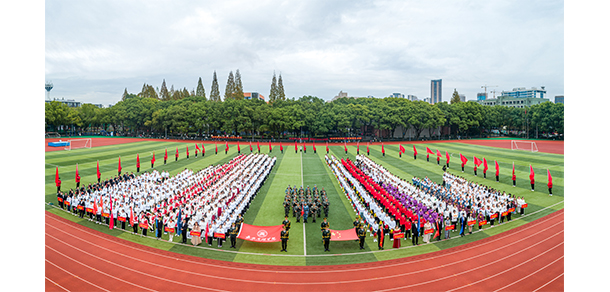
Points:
x=307, y=116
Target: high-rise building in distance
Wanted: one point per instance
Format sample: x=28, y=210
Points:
x=436, y=91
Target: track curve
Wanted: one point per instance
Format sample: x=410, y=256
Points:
x=526, y=258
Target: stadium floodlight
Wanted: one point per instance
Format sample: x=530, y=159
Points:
x=78, y=143
x=523, y=145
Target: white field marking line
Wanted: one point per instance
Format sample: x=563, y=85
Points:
x=468, y=271
x=75, y=276
x=304, y=233
x=548, y=282
x=56, y=284
x=513, y=283
x=336, y=282
x=247, y=269
x=126, y=268
x=288, y=283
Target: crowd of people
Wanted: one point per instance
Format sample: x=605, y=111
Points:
x=306, y=202
x=210, y=202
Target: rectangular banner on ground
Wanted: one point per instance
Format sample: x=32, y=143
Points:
x=260, y=233
x=339, y=235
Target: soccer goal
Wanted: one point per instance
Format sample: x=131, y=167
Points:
x=78, y=143
x=523, y=145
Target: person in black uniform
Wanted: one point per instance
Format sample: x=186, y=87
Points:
x=314, y=212
x=284, y=236
x=238, y=222
x=233, y=235
x=325, y=205
x=185, y=228
x=324, y=224
x=60, y=198
x=297, y=211
x=361, y=235
x=326, y=239
x=415, y=237
x=380, y=235
x=286, y=223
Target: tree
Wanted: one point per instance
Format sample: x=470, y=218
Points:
x=273, y=91
x=200, y=90
x=148, y=91
x=239, y=87
x=280, y=89
x=163, y=93
x=230, y=88
x=455, y=98
x=215, y=93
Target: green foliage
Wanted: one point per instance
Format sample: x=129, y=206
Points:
x=230, y=88
x=215, y=92
x=455, y=98
x=200, y=89
x=273, y=92
x=280, y=89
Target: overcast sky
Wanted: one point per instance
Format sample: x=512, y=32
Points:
x=96, y=49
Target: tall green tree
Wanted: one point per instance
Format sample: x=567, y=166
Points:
x=148, y=91
x=455, y=98
x=215, y=93
x=200, y=89
x=163, y=92
x=239, y=87
x=280, y=89
x=273, y=91
x=230, y=88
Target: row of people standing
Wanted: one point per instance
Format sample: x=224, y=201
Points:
x=306, y=202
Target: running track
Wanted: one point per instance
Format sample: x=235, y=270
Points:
x=526, y=258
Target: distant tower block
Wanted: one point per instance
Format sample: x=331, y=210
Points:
x=48, y=86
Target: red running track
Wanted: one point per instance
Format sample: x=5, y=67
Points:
x=527, y=258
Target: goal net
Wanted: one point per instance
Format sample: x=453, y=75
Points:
x=78, y=143
x=523, y=145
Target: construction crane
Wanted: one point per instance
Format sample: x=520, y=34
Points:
x=485, y=86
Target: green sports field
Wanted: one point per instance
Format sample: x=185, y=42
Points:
x=305, y=244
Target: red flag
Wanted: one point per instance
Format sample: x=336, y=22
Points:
x=250, y=146
x=295, y=146
x=176, y=152
x=226, y=146
x=477, y=161
x=429, y=151
x=402, y=149
x=304, y=147
x=314, y=146
x=153, y=158
x=187, y=151
x=99, y=174
x=367, y=147
x=358, y=147
x=531, y=174
x=438, y=153
x=202, y=149
x=197, y=147
x=414, y=150
x=77, y=176
x=165, y=157
x=382, y=150
x=497, y=168
x=57, y=180
x=447, y=155
x=95, y=206
x=258, y=146
x=120, y=164
x=207, y=229
x=302, y=210
x=281, y=147
x=131, y=216
x=485, y=168
x=138, y=160
x=238, y=148
x=342, y=235
x=514, y=176
x=550, y=184
x=216, y=145
x=111, y=225
x=326, y=147
x=463, y=159
x=345, y=147
x=270, y=146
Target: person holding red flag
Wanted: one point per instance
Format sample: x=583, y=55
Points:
x=258, y=147
x=367, y=149
x=165, y=157
x=281, y=148
x=464, y=160
x=202, y=150
x=77, y=177
x=120, y=168
x=514, y=176
x=485, y=168
x=216, y=148
x=296, y=148
x=382, y=150
x=414, y=153
x=58, y=182
x=401, y=150
x=304, y=148
x=187, y=152
x=270, y=148
x=176, y=153
x=550, y=183
x=532, y=177
x=447, y=155
x=99, y=174
x=477, y=162
x=250, y=146
x=138, y=163
x=226, y=147
x=358, y=148
x=326, y=147
x=345, y=147
x=238, y=148
x=314, y=147
x=428, y=152
x=438, y=157
x=197, y=149
x=497, y=171
x=152, y=161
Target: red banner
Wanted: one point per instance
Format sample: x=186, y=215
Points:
x=504, y=213
x=524, y=206
x=195, y=233
x=399, y=235
x=481, y=223
x=67, y=203
x=511, y=210
x=219, y=235
x=493, y=216
x=60, y=199
x=260, y=233
x=432, y=230
x=80, y=208
x=89, y=210
x=169, y=229
x=105, y=215
x=339, y=235
x=450, y=227
x=473, y=222
x=122, y=219
x=144, y=225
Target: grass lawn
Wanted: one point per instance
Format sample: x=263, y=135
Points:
x=305, y=244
